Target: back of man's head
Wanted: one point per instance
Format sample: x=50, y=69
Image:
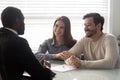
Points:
x=9, y=15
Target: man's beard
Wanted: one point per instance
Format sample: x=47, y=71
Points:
x=90, y=33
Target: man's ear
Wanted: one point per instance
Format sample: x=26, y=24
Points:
x=99, y=26
x=17, y=22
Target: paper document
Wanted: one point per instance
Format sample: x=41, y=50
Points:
x=62, y=68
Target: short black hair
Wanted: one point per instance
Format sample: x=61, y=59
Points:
x=96, y=17
x=9, y=15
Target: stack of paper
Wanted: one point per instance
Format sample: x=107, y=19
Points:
x=62, y=68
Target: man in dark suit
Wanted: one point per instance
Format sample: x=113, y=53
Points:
x=15, y=53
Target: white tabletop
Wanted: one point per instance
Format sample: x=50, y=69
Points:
x=86, y=74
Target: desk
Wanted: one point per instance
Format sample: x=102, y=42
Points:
x=86, y=74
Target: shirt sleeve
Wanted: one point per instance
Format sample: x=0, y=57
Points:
x=77, y=49
x=43, y=48
x=31, y=65
x=111, y=55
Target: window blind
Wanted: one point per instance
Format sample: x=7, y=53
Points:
x=41, y=14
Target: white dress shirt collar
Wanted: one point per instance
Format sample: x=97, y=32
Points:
x=15, y=32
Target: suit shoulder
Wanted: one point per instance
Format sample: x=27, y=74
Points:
x=20, y=40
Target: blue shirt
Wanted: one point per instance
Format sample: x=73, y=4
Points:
x=49, y=47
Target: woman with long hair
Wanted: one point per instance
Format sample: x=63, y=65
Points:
x=62, y=39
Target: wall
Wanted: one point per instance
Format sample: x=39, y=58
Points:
x=115, y=17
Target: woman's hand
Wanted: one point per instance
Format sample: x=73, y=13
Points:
x=63, y=55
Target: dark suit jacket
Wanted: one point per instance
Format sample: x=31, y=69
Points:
x=18, y=58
